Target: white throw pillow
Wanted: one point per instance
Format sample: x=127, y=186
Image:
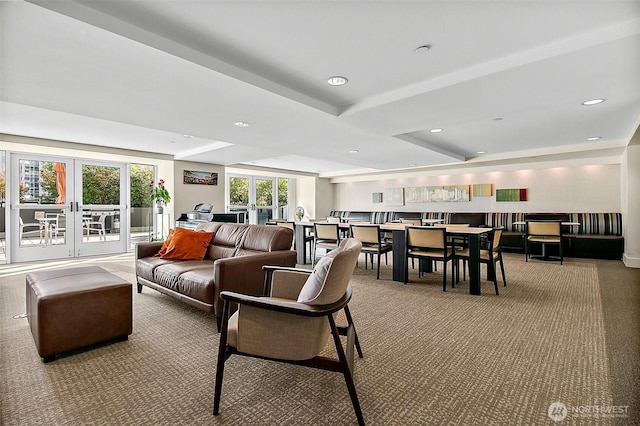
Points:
x=315, y=282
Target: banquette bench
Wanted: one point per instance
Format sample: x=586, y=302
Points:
x=598, y=235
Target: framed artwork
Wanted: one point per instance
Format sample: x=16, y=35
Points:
x=393, y=197
x=511, y=194
x=482, y=190
x=451, y=193
x=199, y=178
x=414, y=194
x=377, y=197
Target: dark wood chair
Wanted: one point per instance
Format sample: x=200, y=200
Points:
x=295, y=322
x=429, y=244
x=545, y=233
x=372, y=243
x=492, y=254
x=325, y=235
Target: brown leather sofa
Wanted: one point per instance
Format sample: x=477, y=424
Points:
x=233, y=262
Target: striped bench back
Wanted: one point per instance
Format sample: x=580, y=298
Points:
x=506, y=220
x=596, y=223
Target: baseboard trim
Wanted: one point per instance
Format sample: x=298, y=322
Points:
x=631, y=262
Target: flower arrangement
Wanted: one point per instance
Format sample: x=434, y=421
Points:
x=160, y=195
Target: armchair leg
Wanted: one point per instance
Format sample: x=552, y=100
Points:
x=347, y=313
x=222, y=357
x=346, y=371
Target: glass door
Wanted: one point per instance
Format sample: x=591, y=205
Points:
x=64, y=207
x=254, y=195
x=100, y=209
x=40, y=207
x=264, y=194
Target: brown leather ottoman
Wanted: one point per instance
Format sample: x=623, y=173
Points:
x=73, y=308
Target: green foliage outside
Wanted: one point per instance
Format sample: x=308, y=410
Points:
x=239, y=191
x=101, y=184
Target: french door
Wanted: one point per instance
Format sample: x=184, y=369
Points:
x=64, y=207
x=254, y=194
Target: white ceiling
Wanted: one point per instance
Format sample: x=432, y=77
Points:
x=505, y=77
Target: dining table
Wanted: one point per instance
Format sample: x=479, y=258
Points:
x=399, y=241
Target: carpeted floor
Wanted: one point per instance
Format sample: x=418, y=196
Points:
x=555, y=334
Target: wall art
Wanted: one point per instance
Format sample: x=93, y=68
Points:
x=200, y=178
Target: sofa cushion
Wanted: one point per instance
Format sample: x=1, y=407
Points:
x=260, y=239
x=186, y=244
x=197, y=283
x=146, y=266
x=167, y=275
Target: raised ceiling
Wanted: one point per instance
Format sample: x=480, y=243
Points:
x=504, y=77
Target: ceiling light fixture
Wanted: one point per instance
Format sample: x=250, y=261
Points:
x=435, y=130
x=353, y=151
x=337, y=80
x=594, y=138
x=242, y=124
x=187, y=136
x=593, y=102
x=481, y=152
x=423, y=49
x=498, y=119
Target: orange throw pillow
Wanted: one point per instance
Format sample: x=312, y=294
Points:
x=166, y=243
x=188, y=245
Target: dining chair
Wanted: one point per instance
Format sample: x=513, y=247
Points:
x=325, y=235
x=545, y=233
x=24, y=229
x=429, y=243
x=412, y=222
x=372, y=243
x=292, y=225
x=491, y=254
x=90, y=225
x=294, y=323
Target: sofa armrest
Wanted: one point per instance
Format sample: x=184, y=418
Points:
x=147, y=249
x=243, y=274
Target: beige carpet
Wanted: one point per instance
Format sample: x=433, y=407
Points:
x=431, y=358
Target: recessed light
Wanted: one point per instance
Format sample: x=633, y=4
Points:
x=242, y=124
x=337, y=80
x=481, y=152
x=353, y=151
x=594, y=138
x=187, y=136
x=498, y=119
x=436, y=130
x=593, y=102
x=423, y=49
x=413, y=165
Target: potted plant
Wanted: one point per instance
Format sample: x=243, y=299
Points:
x=160, y=196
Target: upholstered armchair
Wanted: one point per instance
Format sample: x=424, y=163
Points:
x=293, y=324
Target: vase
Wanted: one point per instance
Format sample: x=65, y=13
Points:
x=159, y=208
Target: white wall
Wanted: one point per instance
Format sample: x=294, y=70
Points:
x=593, y=188
x=631, y=206
x=188, y=195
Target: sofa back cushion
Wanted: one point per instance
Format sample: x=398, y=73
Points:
x=261, y=238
